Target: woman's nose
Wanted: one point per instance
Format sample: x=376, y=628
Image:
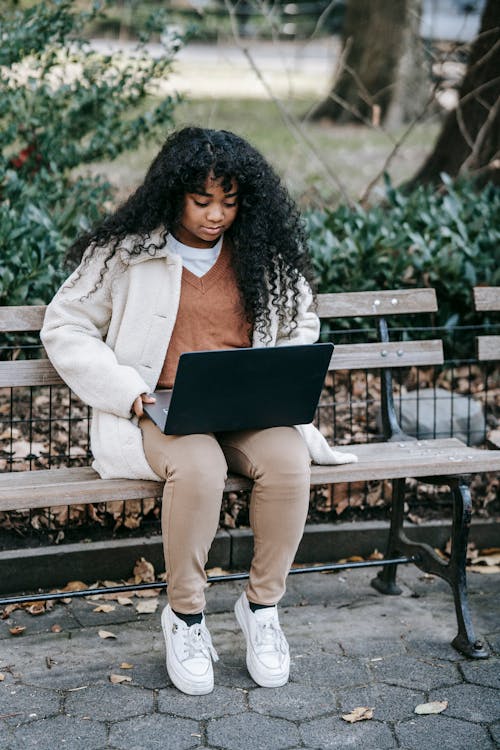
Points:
x=215, y=212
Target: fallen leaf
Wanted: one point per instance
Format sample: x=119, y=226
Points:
x=56, y=628
x=7, y=611
x=147, y=593
x=143, y=571
x=36, y=609
x=126, y=665
x=124, y=601
x=489, y=559
x=74, y=586
x=361, y=713
x=2, y=677
x=17, y=629
x=117, y=678
x=106, y=634
x=435, y=707
x=217, y=572
x=104, y=608
x=147, y=607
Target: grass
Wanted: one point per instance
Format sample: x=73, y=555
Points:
x=354, y=154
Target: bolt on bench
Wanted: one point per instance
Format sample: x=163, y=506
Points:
x=399, y=457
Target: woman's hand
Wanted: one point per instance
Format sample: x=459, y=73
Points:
x=144, y=398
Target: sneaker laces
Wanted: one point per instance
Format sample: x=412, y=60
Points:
x=197, y=642
x=269, y=636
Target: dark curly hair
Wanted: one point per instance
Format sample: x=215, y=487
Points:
x=268, y=240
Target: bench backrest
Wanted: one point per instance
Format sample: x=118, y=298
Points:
x=487, y=299
x=382, y=354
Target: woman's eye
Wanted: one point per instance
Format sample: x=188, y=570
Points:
x=202, y=205
x=230, y=205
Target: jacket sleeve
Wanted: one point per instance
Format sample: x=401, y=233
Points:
x=308, y=326
x=75, y=325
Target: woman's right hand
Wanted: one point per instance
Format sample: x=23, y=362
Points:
x=144, y=398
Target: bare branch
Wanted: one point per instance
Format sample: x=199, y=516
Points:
x=397, y=145
x=290, y=121
x=480, y=138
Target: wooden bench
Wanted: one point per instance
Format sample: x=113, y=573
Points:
x=398, y=457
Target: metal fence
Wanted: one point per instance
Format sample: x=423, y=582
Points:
x=48, y=426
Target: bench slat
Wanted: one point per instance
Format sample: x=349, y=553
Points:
x=393, y=354
x=486, y=298
x=342, y=305
x=387, y=302
x=345, y=357
x=488, y=347
x=39, y=489
x=22, y=318
x=28, y=372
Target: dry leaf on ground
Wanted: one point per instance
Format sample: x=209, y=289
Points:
x=36, y=609
x=361, y=713
x=147, y=607
x=56, y=628
x=217, y=572
x=117, y=678
x=7, y=611
x=143, y=571
x=124, y=600
x=106, y=634
x=104, y=608
x=73, y=586
x=435, y=707
x=126, y=665
x=17, y=629
x=2, y=677
x=147, y=593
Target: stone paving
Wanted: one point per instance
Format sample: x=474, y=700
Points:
x=350, y=647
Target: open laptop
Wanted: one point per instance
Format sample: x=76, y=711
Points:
x=239, y=389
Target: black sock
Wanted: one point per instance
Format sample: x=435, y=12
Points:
x=189, y=619
x=255, y=607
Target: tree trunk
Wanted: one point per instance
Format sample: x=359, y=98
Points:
x=383, y=75
x=470, y=138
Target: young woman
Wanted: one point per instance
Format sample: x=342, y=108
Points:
x=208, y=253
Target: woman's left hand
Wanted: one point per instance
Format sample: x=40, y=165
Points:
x=144, y=398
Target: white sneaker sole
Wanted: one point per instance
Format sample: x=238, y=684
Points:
x=255, y=669
x=190, y=687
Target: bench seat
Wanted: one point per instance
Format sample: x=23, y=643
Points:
x=389, y=460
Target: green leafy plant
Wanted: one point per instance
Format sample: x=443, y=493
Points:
x=63, y=106
x=448, y=240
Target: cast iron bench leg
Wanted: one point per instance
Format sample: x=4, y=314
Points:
x=385, y=580
x=453, y=572
x=465, y=640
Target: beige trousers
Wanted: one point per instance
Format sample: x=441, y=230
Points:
x=195, y=468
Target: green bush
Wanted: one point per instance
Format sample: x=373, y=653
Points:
x=448, y=240
x=63, y=106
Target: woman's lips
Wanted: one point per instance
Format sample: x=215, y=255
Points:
x=212, y=230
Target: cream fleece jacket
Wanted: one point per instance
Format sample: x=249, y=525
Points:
x=109, y=347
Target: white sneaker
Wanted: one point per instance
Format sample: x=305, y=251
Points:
x=189, y=654
x=268, y=657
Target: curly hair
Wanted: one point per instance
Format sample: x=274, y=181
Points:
x=268, y=239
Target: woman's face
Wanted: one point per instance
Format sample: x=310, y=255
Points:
x=206, y=215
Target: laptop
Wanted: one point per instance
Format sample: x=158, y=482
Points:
x=240, y=389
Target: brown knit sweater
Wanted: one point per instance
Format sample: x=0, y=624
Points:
x=210, y=315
